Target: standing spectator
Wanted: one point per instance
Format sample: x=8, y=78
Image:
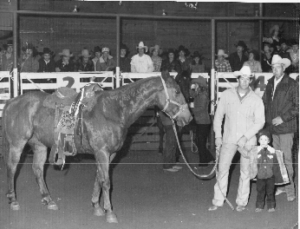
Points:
x=238, y=58
x=84, y=63
x=8, y=57
x=141, y=62
x=266, y=58
x=170, y=64
x=46, y=63
x=201, y=116
x=281, y=99
x=294, y=56
x=65, y=64
x=244, y=112
x=252, y=62
x=29, y=63
x=106, y=61
x=157, y=60
x=124, y=60
x=197, y=65
x=184, y=62
x=97, y=55
x=221, y=64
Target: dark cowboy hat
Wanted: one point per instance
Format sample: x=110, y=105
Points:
x=264, y=132
x=196, y=54
x=184, y=49
x=123, y=46
x=242, y=44
x=97, y=49
x=46, y=51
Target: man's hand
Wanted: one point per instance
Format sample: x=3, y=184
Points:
x=277, y=121
x=218, y=142
x=242, y=141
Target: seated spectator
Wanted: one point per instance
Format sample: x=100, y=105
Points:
x=106, y=61
x=252, y=62
x=238, y=58
x=97, y=55
x=266, y=58
x=283, y=49
x=46, y=63
x=85, y=64
x=65, y=64
x=157, y=60
x=221, y=64
x=7, y=57
x=29, y=62
x=294, y=56
x=184, y=62
x=197, y=65
x=124, y=60
x=170, y=64
x=141, y=62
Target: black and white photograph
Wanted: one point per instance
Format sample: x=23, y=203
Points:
x=149, y=114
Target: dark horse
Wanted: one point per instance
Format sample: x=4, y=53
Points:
x=26, y=120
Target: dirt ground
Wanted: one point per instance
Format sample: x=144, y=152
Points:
x=143, y=197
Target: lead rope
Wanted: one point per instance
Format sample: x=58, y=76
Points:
x=198, y=175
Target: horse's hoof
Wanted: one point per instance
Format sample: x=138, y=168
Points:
x=99, y=211
x=111, y=218
x=15, y=206
x=52, y=206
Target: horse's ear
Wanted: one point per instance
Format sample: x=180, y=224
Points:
x=165, y=74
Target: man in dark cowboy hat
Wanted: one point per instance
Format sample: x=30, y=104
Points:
x=124, y=60
x=46, y=63
x=238, y=58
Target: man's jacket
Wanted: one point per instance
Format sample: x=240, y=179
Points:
x=285, y=104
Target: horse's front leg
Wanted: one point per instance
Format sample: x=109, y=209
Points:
x=103, y=159
x=39, y=159
x=98, y=210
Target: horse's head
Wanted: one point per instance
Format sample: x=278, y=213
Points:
x=183, y=79
x=173, y=102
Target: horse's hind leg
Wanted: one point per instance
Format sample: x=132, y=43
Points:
x=13, y=159
x=39, y=159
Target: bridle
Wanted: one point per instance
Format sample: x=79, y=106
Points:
x=182, y=107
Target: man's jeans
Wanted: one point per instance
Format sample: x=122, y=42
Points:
x=226, y=155
x=284, y=142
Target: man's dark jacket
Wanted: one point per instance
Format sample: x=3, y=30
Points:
x=235, y=62
x=43, y=67
x=284, y=104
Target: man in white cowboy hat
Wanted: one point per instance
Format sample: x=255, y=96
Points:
x=221, y=64
x=244, y=112
x=85, y=64
x=281, y=99
x=141, y=62
x=65, y=64
x=106, y=61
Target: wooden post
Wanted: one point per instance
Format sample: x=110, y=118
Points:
x=260, y=37
x=212, y=82
x=15, y=45
x=118, y=53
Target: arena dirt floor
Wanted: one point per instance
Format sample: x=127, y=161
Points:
x=143, y=197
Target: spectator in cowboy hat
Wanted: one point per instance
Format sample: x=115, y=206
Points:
x=106, y=61
x=124, y=60
x=7, y=57
x=65, y=64
x=183, y=60
x=197, y=65
x=221, y=64
x=245, y=116
x=170, y=64
x=156, y=59
x=252, y=62
x=281, y=99
x=141, y=62
x=29, y=63
x=85, y=64
x=46, y=63
x=97, y=55
x=238, y=58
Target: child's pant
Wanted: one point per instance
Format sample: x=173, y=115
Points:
x=265, y=187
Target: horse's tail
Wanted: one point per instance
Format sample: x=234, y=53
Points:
x=5, y=145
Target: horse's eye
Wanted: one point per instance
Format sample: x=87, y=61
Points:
x=177, y=92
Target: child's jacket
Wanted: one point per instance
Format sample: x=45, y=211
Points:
x=265, y=167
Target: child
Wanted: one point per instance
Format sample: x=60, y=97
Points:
x=271, y=171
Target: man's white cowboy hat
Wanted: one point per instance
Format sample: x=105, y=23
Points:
x=105, y=49
x=278, y=60
x=66, y=52
x=244, y=72
x=142, y=46
x=221, y=52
